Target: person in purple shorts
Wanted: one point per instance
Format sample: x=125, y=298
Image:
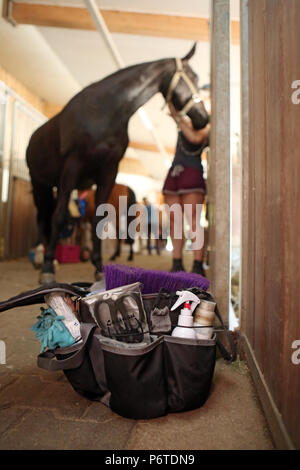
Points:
x=185, y=184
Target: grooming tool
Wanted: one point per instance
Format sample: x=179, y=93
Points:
x=152, y=281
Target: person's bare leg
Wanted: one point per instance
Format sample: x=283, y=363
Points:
x=177, y=242
x=194, y=199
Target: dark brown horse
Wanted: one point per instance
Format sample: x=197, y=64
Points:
x=118, y=190
x=84, y=143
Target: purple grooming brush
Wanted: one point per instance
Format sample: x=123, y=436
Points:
x=117, y=275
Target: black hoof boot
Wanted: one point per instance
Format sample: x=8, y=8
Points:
x=46, y=278
x=198, y=268
x=177, y=265
x=47, y=275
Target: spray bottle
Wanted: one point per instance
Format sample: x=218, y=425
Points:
x=185, y=329
x=204, y=312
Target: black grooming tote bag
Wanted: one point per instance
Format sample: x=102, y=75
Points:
x=138, y=381
x=170, y=374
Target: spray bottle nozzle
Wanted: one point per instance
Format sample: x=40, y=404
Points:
x=184, y=297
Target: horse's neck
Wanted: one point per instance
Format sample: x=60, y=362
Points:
x=141, y=82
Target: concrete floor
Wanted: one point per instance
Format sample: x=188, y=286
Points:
x=40, y=410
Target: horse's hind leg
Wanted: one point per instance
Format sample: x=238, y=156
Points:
x=67, y=183
x=44, y=202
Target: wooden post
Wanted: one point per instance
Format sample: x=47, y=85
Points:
x=219, y=164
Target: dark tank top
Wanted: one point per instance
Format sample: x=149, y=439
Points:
x=188, y=154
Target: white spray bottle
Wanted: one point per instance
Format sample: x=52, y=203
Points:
x=185, y=329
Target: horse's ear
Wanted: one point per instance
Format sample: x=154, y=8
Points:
x=191, y=53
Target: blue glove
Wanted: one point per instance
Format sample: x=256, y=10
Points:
x=51, y=331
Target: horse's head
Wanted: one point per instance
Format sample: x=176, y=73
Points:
x=181, y=89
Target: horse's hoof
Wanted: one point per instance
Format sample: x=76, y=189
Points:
x=46, y=278
x=99, y=276
x=37, y=265
x=38, y=260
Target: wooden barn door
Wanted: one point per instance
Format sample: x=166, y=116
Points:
x=23, y=226
x=270, y=294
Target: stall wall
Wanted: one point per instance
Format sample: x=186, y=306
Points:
x=20, y=115
x=271, y=295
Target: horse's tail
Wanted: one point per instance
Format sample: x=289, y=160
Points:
x=131, y=199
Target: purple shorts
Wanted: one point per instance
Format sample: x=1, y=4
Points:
x=182, y=180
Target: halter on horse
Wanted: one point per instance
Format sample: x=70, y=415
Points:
x=194, y=99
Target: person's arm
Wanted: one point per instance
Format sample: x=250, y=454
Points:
x=194, y=136
x=185, y=125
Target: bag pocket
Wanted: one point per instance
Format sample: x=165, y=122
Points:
x=189, y=368
x=75, y=362
x=135, y=378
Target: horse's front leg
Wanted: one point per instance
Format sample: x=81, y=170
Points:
x=67, y=184
x=101, y=196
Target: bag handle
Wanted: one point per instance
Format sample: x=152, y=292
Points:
x=47, y=360
x=36, y=296
x=228, y=356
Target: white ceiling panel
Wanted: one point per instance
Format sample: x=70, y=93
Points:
x=86, y=56
x=26, y=55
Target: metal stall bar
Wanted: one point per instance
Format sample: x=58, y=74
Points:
x=219, y=164
x=244, y=54
x=3, y=120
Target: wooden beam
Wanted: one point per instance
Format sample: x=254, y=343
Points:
x=145, y=24
x=132, y=166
